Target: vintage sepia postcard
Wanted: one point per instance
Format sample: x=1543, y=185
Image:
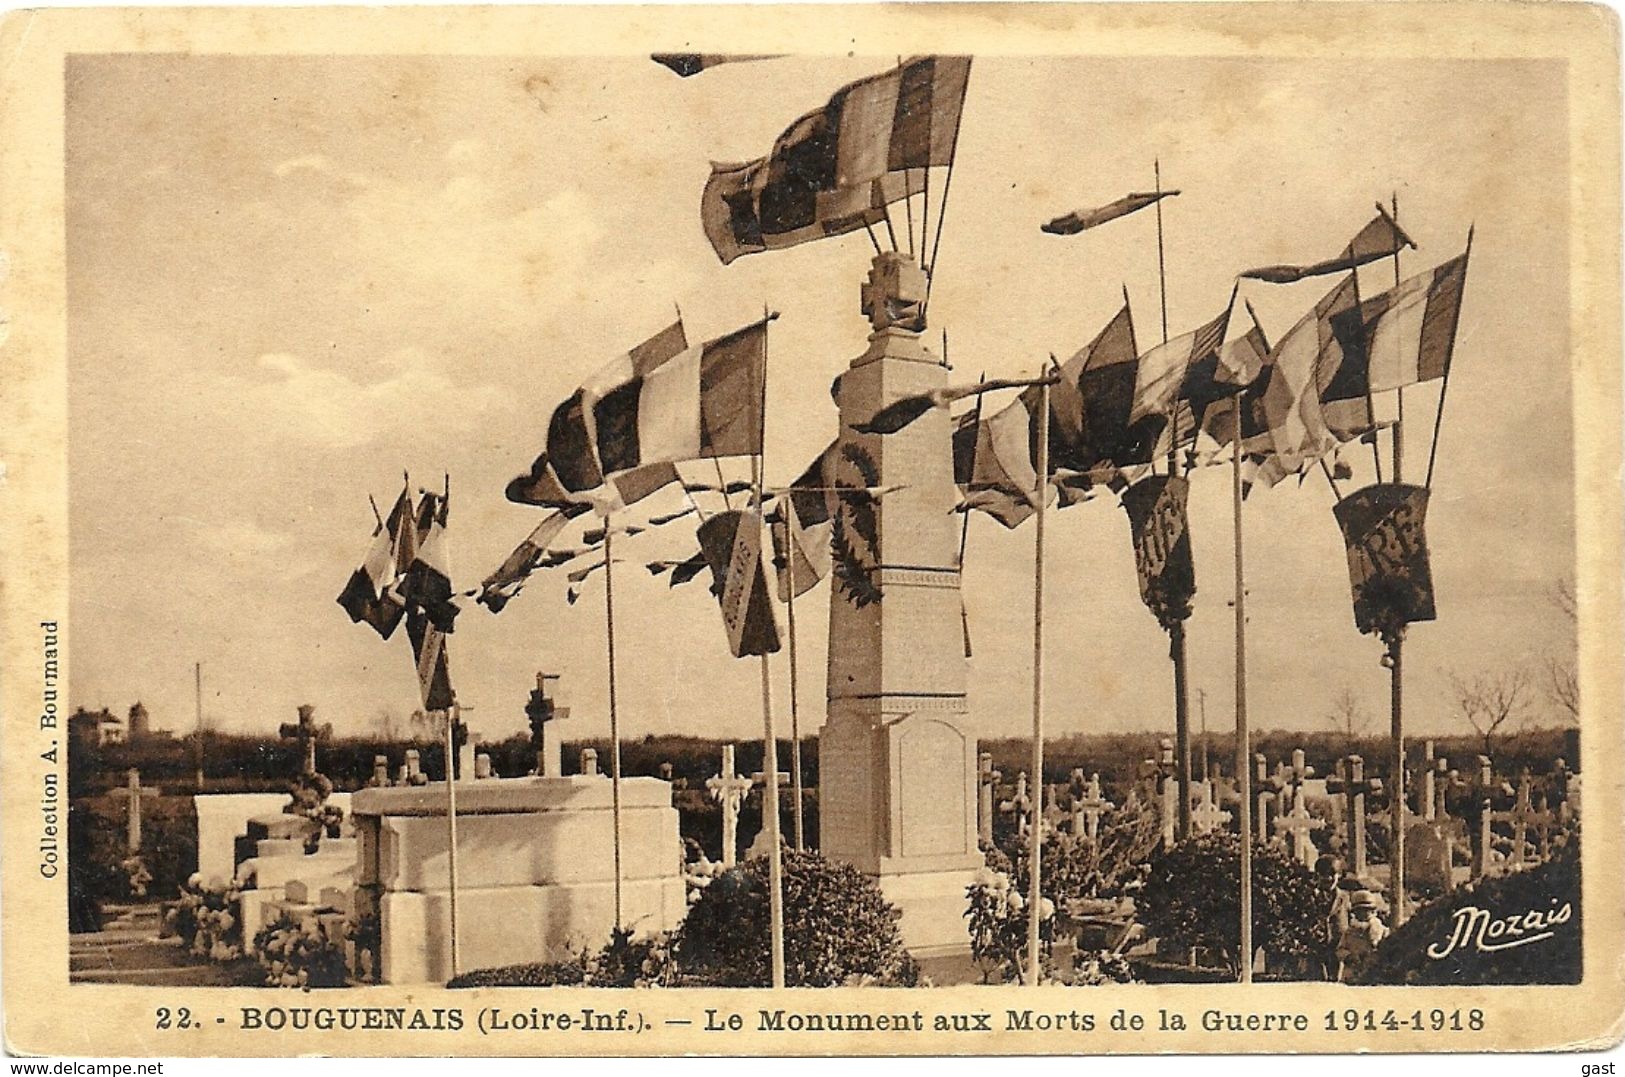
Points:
x=508, y=550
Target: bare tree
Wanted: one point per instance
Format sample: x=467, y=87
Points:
x=1492, y=702
x=430, y=727
x=1562, y=675
x=1348, y=716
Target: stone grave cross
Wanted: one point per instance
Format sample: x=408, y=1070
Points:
x=542, y=710
x=1091, y=805
x=1352, y=783
x=1208, y=816
x=1523, y=816
x=307, y=733
x=1296, y=825
x=1427, y=787
x=1053, y=815
x=1266, y=789
x=759, y=845
x=986, y=780
x=1019, y=803
x=131, y=793
x=729, y=789
x=1558, y=783
x=1484, y=789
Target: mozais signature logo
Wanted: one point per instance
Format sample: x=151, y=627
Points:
x=1484, y=931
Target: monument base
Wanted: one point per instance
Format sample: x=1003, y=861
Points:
x=933, y=905
x=535, y=870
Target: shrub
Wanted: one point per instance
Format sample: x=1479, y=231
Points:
x=1092, y=968
x=623, y=962
x=1403, y=957
x=1192, y=898
x=629, y=962
x=549, y=974
x=837, y=928
x=206, y=920
x=998, y=915
x=308, y=799
x=301, y=953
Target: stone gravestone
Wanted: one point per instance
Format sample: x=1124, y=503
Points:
x=1428, y=846
x=589, y=762
x=131, y=793
x=482, y=767
x=729, y=789
x=897, y=760
x=534, y=870
x=987, y=779
x=380, y=771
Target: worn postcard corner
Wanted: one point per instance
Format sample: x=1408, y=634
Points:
x=498, y=508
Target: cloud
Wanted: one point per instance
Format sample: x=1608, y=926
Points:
x=330, y=409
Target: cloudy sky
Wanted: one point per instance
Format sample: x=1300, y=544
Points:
x=291, y=278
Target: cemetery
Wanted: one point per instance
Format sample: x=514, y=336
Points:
x=892, y=846
x=317, y=885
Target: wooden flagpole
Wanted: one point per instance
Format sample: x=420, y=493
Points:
x=1035, y=827
x=1370, y=403
x=197, y=751
x=1244, y=751
x=942, y=209
x=1399, y=420
x=1395, y=663
x=770, y=747
x=787, y=514
x=1444, y=385
x=614, y=717
x=452, y=717
x=1162, y=273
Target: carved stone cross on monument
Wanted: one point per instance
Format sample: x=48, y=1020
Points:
x=729, y=789
x=1354, y=786
x=987, y=779
x=131, y=793
x=307, y=733
x=1091, y=805
x=1296, y=825
x=1208, y=816
x=543, y=710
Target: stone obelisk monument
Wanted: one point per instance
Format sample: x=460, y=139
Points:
x=897, y=766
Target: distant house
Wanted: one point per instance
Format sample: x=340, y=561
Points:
x=94, y=728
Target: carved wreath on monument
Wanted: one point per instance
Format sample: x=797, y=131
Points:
x=856, y=540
